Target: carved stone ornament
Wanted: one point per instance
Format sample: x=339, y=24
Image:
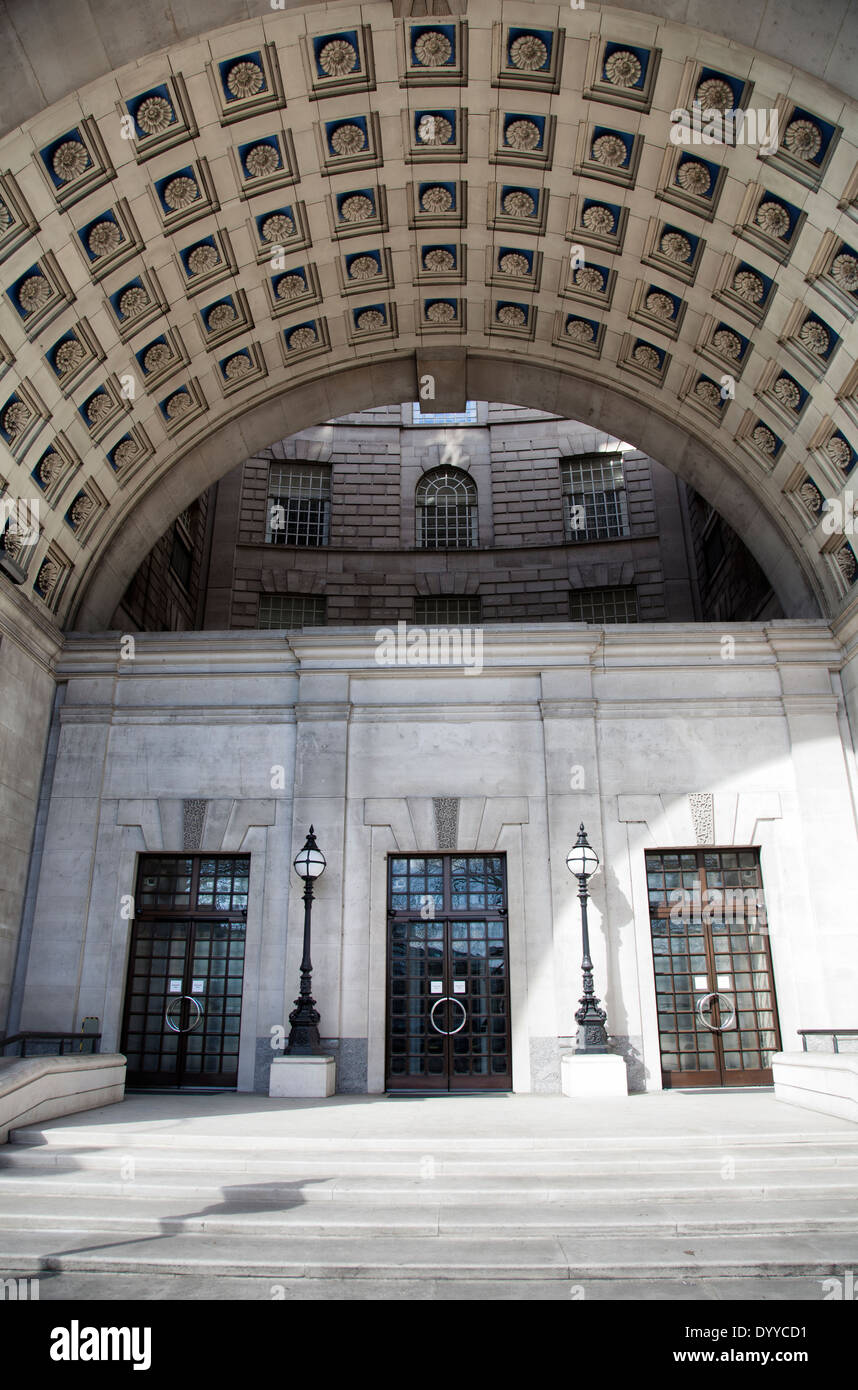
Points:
x=609, y=150
x=715, y=95
x=157, y=357
x=104, y=239
x=347, y=139
x=513, y=263
x=811, y=497
x=815, y=337
x=69, y=355
x=727, y=343
x=847, y=563
x=528, y=53
x=154, y=115
x=369, y=320
x=694, y=177
x=440, y=313
x=5, y=218
x=660, y=305
x=433, y=49
x=708, y=393
x=48, y=466
x=181, y=192
x=646, y=356
x=81, y=509
x=764, y=439
x=803, y=139
x=203, y=258
x=439, y=259
x=34, y=293
x=844, y=269
x=436, y=199
x=70, y=160
x=220, y=317
x=702, y=807
x=838, y=451
x=338, y=58
x=748, y=286
x=261, y=160
x=787, y=392
x=773, y=218
x=47, y=577
x=178, y=404
x=302, y=337
x=623, y=68
x=125, y=452
x=434, y=130
x=16, y=418
x=598, y=218
x=675, y=246
x=291, y=286
x=245, y=79
x=358, y=208
x=580, y=331
x=588, y=278
x=277, y=228
x=522, y=135
x=133, y=301
x=519, y=204
x=99, y=407
x=366, y=267
x=512, y=316
x=237, y=366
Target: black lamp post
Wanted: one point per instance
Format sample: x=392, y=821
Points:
x=583, y=861
x=304, y=1040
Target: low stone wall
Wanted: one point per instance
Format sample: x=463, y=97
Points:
x=827, y=1082
x=41, y=1088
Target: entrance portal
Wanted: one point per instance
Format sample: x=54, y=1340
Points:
x=183, y=1001
x=717, y=1016
x=448, y=987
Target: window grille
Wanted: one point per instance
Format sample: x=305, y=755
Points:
x=614, y=605
x=466, y=417
x=299, y=505
x=594, y=498
x=447, y=609
x=446, y=510
x=291, y=610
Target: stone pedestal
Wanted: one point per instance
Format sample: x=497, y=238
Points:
x=594, y=1075
x=303, y=1076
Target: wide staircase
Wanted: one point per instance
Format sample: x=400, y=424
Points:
x=531, y=1196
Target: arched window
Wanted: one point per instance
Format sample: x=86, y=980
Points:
x=446, y=510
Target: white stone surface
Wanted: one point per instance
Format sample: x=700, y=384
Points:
x=827, y=1082
x=33, y=1089
x=312, y=1077
x=585, y=1077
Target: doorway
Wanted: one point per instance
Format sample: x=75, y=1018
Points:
x=448, y=974
x=185, y=976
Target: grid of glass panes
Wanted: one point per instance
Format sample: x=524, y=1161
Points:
x=709, y=934
x=476, y=883
x=741, y=949
x=594, y=497
x=478, y=953
x=149, y=1044
x=164, y=883
x=291, y=610
x=223, y=884
x=417, y=958
x=446, y=510
x=417, y=884
x=618, y=604
x=447, y=608
x=299, y=504
x=466, y=417
x=217, y=969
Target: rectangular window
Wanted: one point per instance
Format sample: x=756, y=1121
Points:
x=180, y=561
x=299, y=505
x=594, y=497
x=291, y=610
x=447, y=609
x=466, y=417
x=615, y=605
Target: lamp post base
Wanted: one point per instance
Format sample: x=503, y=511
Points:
x=307, y=1077
x=584, y=1075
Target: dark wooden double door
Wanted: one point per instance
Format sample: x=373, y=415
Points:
x=717, y=1013
x=185, y=976
x=448, y=974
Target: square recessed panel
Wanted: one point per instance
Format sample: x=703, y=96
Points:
x=356, y=211
x=521, y=137
x=185, y=195
x=760, y=440
x=302, y=342
x=690, y=182
x=137, y=303
x=644, y=358
x=528, y=57
x=432, y=53
x=368, y=269
x=265, y=163
x=224, y=318
x=437, y=202
x=75, y=163
x=338, y=62
x=515, y=207
x=746, y=289
x=834, y=273
x=621, y=74
x=769, y=222
x=205, y=262
x=608, y=154
x=434, y=132
x=705, y=394
x=160, y=118
x=657, y=307
x=578, y=333
x=246, y=84
x=806, y=145
x=811, y=340
x=39, y=294
x=349, y=142
x=17, y=223
x=596, y=222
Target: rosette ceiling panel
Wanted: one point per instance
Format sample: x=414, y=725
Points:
x=276, y=223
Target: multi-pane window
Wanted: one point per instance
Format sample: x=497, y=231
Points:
x=466, y=417
x=446, y=510
x=299, y=504
x=291, y=610
x=181, y=560
x=447, y=609
x=594, y=497
x=613, y=605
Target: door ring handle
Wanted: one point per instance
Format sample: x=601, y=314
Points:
x=191, y=1026
x=448, y=999
x=723, y=1027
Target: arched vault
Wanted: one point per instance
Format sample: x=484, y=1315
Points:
x=272, y=224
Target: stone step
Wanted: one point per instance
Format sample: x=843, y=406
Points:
x=573, y=1258
x=158, y=1175
x=158, y=1214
